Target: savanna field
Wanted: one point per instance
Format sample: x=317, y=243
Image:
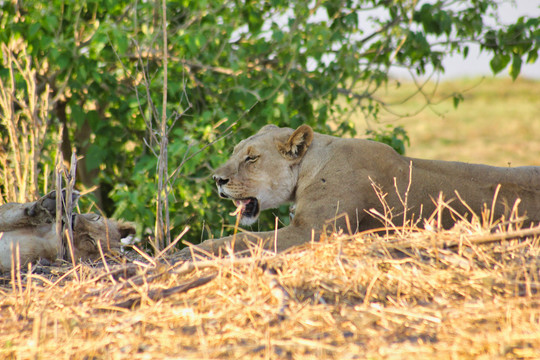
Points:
x=472, y=292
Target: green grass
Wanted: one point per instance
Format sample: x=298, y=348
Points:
x=497, y=123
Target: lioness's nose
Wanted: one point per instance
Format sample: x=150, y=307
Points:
x=219, y=180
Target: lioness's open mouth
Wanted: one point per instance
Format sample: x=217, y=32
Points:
x=248, y=208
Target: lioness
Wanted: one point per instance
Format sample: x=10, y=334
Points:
x=325, y=176
x=32, y=227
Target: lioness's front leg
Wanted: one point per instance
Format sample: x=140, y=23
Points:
x=278, y=241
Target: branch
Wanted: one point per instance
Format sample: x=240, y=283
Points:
x=162, y=232
x=505, y=236
x=159, y=294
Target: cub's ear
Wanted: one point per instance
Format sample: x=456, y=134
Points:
x=126, y=228
x=297, y=144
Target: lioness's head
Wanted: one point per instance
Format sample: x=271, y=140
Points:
x=262, y=171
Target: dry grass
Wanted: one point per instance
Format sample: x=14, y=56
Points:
x=453, y=294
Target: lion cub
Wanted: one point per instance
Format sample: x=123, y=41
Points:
x=31, y=227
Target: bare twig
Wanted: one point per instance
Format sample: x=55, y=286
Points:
x=162, y=232
x=68, y=203
x=62, y=254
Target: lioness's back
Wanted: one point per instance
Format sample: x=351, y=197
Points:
x=528, y=176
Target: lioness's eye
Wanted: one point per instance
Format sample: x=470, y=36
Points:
x=251, y=158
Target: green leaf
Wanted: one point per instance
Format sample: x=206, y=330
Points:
x=499, y=62
x=516, y=66
x=64, y=60
x=51, y=22
x=34, y=28
x=95, y=156
x=457, y=98
x=122, y=43
x=532, y=56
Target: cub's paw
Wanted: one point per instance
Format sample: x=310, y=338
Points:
x=46, y=206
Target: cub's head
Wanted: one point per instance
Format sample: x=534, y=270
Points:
x=90, y=228
x=263, y=170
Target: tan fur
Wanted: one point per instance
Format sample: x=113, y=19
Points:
x=325, y=176
x=88, y=229
x=31, y=228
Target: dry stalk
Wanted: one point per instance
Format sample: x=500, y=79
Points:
x=238, y=215
x=277, y=290
x=493, y=203
x=64, y=204
x=68, y=203
x=385, y=218
x=404, y=200
x=104, y=260
x=159, y=135
x=172, y=244
x=69, y=241
x=24, y=114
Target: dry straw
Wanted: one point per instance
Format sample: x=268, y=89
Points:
x=469, y=292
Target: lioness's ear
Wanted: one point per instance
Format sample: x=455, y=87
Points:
x=298, y=143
